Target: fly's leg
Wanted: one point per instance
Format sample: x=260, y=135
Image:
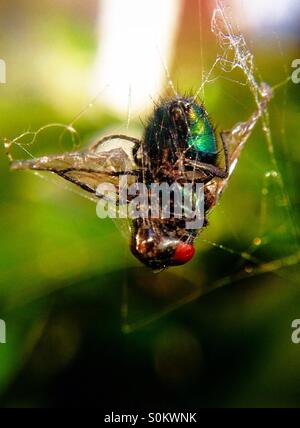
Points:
x=226, y=155
x=208, y=170
x=133, y=140
x=212, y=171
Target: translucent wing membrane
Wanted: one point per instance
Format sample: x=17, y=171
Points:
x=236, y=138
x=100, y=163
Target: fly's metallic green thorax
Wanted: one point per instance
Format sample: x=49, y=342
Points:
x=201, y=138
x=179, y=126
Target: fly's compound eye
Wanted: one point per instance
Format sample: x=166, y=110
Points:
x=183, y=253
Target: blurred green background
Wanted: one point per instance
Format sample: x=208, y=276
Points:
x=86, y=324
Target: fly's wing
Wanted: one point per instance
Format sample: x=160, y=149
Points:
x=99, y=164
x=235, y=140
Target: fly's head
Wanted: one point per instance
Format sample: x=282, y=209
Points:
x=160, y=243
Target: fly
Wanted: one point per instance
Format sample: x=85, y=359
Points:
x=179, y=145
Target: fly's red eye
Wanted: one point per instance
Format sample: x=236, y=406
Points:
x=183, y=253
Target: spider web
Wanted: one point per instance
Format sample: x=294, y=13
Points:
x=235, y=59
x=235, y=54
x=234, y=63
